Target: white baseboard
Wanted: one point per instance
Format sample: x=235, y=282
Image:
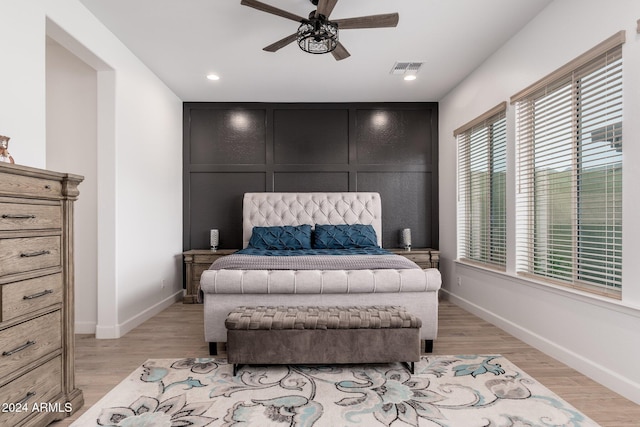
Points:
x=121, y=329
x=85, y=327
x=593, y=370
x=107, y=332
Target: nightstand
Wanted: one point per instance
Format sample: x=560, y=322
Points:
x=424, y=257
x=196, y=261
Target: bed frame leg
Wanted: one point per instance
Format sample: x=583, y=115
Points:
x=428, y=346
x=213, y=348
x=410, y=367
x=236, y=368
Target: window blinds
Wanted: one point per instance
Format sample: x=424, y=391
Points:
x=569, y=173
x=482, y=167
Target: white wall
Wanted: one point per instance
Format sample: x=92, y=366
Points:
x=71, y=129
x=22, y=81
x=598, y=336
x=137, y=147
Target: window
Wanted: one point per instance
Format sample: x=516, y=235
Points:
x=482, y=168
x=569, y=173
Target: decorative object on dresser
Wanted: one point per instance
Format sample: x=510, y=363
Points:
x=4, y=150
x=195, y=262
x=37, y=379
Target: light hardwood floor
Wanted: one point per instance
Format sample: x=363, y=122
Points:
x=178, y=332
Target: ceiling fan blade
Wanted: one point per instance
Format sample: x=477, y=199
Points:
x=325, y=7
x=270, y=9
x=340, y=53
x=371, y=21
x=281, y=43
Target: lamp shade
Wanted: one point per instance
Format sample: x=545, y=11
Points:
x=405, y=238
x=214, y=237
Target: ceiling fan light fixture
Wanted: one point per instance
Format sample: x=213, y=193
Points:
x=317, y=35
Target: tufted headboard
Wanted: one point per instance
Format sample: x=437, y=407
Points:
x=269, y=209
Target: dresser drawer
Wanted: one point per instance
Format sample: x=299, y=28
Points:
x=28, y=253
x=22, y=216
x=43, y=384
x=29, y=341
x=28, y=185
x=417, y=257
x=422, y=259
x=27, y=296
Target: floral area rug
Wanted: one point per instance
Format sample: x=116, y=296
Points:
x=453, y=391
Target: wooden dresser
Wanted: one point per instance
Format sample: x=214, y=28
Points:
x=37, y=382
x=195, y=262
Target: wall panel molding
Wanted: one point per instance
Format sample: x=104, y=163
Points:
x=233, y=148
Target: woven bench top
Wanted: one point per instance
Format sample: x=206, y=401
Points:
x=354, y=317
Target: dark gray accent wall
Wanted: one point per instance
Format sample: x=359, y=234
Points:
x=231, y=149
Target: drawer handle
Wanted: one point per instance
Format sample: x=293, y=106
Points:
x=17, y=216
x=26, y=398
x=32, y=254
x=39, y=294
x=18, y=349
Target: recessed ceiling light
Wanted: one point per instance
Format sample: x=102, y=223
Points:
x=213, y=77
x=410, y=77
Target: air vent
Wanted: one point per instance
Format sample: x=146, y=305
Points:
x=400, y=68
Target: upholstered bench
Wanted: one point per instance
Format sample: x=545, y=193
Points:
x=322, y=335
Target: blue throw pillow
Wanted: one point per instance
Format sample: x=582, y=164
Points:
x=344, y=236
x=281, y=237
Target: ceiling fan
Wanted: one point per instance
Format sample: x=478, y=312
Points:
x=317, y=34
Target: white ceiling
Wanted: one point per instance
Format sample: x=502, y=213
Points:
x=182, y=41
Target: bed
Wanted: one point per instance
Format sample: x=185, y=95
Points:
x=315, y=249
